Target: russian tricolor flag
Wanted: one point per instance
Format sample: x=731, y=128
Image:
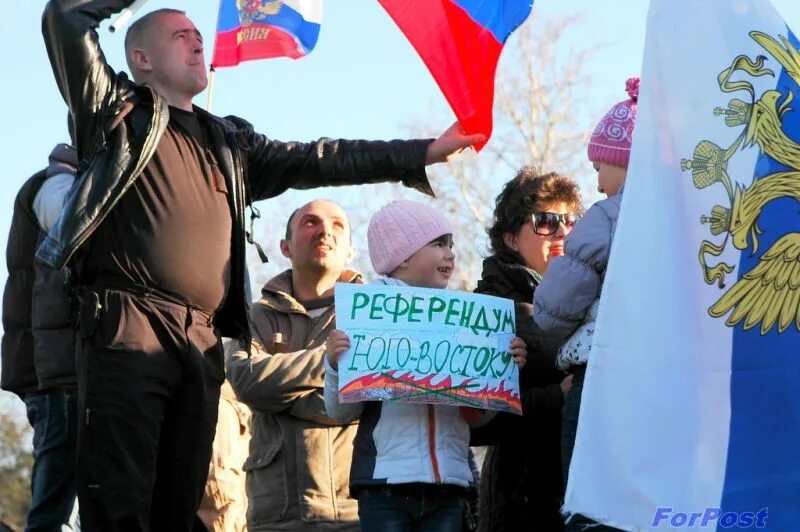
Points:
x=460, y=42
x=259, y=29
x=690, y=417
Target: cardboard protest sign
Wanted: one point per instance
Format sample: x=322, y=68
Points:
x=428, y=346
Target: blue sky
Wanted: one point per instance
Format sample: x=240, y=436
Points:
x=363, y=80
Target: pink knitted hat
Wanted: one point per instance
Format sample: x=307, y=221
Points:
x=611, y=141
x=400, y=229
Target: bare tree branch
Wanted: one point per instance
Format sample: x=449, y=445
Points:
x=540, y=106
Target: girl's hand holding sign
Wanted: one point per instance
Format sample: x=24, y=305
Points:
x=337, y=343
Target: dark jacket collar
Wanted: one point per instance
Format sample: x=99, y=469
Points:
x=507, y=279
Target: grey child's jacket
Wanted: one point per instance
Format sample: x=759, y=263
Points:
x=573, y=282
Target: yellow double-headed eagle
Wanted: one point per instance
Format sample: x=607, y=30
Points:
x=254, y=10
x=769, y=294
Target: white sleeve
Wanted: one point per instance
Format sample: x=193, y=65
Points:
x=341, y=412
x=50, y=199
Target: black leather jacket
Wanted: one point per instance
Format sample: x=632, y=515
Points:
x=118, y=125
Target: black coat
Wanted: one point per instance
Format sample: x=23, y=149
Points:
x=38, y=347
x=521, y=482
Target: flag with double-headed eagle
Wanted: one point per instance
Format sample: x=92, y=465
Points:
x=690, y=413
x=260, y=29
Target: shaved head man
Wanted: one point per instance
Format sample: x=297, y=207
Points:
x=157, y=220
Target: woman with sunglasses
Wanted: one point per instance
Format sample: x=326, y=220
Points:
x=566, y=303
x=521, y=485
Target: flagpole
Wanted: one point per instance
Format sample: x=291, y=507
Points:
x=125, y=15
x=210, y=93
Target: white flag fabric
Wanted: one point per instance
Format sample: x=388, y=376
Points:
x=690, y=416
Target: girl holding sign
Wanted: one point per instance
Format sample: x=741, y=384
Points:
x=410, y=465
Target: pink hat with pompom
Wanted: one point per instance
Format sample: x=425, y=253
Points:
x=610, y=142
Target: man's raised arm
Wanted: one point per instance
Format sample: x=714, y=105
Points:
x=80, y=68
x=273, y=166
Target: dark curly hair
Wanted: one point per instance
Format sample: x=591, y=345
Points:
x=528, y=192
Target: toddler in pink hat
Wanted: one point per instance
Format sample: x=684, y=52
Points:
x=567, y=301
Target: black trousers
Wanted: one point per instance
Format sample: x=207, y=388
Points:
x=149, y=374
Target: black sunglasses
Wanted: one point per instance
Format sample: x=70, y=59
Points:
x=546, y=223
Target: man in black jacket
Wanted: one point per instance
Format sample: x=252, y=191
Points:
x=38, y=350
x=155, y=232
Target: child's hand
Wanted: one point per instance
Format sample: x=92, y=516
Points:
x=336, y=344
x=566, y=385
x=519, y=351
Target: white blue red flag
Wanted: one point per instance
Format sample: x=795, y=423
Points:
x=460, y=42
x=259, y=29
x=690, y=417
